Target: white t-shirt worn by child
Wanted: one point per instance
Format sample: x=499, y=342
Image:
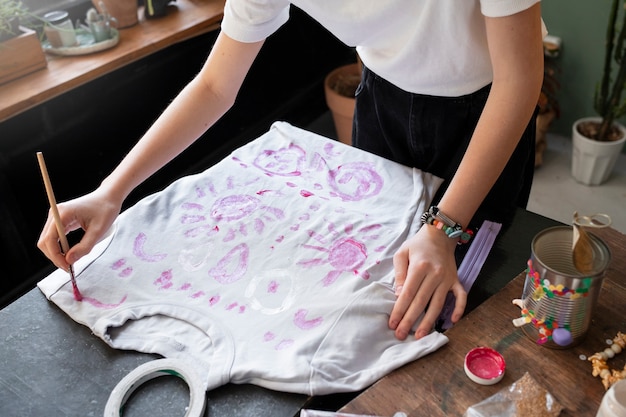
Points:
x=432, y=47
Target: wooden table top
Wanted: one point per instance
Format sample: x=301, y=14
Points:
x=437, y=385
x=185, y=19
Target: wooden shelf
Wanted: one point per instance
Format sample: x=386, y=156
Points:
x=185, y=19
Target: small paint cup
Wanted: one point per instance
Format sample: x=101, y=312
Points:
x=484, y=365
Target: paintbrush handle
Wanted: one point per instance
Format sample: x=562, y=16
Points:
x=53, y=203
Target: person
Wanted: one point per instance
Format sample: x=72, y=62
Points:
x=449, y=87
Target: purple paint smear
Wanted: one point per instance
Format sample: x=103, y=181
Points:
x=233, y=266
x=300, y=320
x=355, y=181
x=286, y=162
x=234, y=207
x=99, y=304
x=164, y=281
x=138, y=250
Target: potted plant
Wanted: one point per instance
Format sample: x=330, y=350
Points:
x=598, y=141
x=10, y=13
x=20, y=49
x=124, y=11
x=549, y=108
x=339, y=89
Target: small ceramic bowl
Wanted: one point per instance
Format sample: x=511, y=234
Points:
x=484, y=365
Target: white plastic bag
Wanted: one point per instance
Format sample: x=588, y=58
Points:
x=524, y=398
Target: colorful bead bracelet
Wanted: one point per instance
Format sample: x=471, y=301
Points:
x=452, y=229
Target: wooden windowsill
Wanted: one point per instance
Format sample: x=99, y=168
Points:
x=185, y=19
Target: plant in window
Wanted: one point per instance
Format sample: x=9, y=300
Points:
x=10, y=13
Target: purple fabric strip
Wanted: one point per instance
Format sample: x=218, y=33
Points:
x=471, y=265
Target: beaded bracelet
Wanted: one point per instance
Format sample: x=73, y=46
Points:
x=600, y=367
x=452, y=229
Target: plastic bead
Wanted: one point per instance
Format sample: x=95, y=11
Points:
x=609, y=353
x=562, y=337
x=442, y=222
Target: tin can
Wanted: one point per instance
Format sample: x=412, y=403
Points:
x=558, y=300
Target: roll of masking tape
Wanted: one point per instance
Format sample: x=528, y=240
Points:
x=154, y=369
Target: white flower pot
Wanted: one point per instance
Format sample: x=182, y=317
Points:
x=593, y=161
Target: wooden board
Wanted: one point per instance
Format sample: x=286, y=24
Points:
x=437, y=385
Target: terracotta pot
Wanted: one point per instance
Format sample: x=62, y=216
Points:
x=341, y=106
x=592, y=160
x=124, y=11
x=543, y=122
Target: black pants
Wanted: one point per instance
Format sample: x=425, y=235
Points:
x=432, y=134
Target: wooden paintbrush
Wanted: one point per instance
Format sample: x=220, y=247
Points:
x=65, y=247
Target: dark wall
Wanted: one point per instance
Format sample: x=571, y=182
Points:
x=84, y=133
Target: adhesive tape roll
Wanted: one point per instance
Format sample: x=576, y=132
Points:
x=154, y=369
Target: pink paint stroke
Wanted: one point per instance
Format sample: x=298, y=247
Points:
x=272, y=287
x=190, y=219
x=105, y=306
x=355, y=181
x=234, y=207
x=124, y=272
x=347, y=254
x=138, y=250
x=233, y=266
x=286, y=162
x=200, y=192
x=118, y=264
x=301, y=322
x=206, y=229
x=284, y=344
x=331, y=277
x=192, y=206
x=164, y=281
x=329, y=148
x=370, y=232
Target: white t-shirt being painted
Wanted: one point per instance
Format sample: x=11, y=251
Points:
x=432, y=47
x=273, y=267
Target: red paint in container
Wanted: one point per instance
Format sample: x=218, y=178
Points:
x=484, y=365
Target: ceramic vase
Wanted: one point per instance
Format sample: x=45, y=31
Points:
x=341, y=106
x=124, y=11
x=592, y=160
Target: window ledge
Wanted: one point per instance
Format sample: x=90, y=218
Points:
x=185, y=19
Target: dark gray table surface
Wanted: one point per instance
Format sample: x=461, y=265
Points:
x=52, y=366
